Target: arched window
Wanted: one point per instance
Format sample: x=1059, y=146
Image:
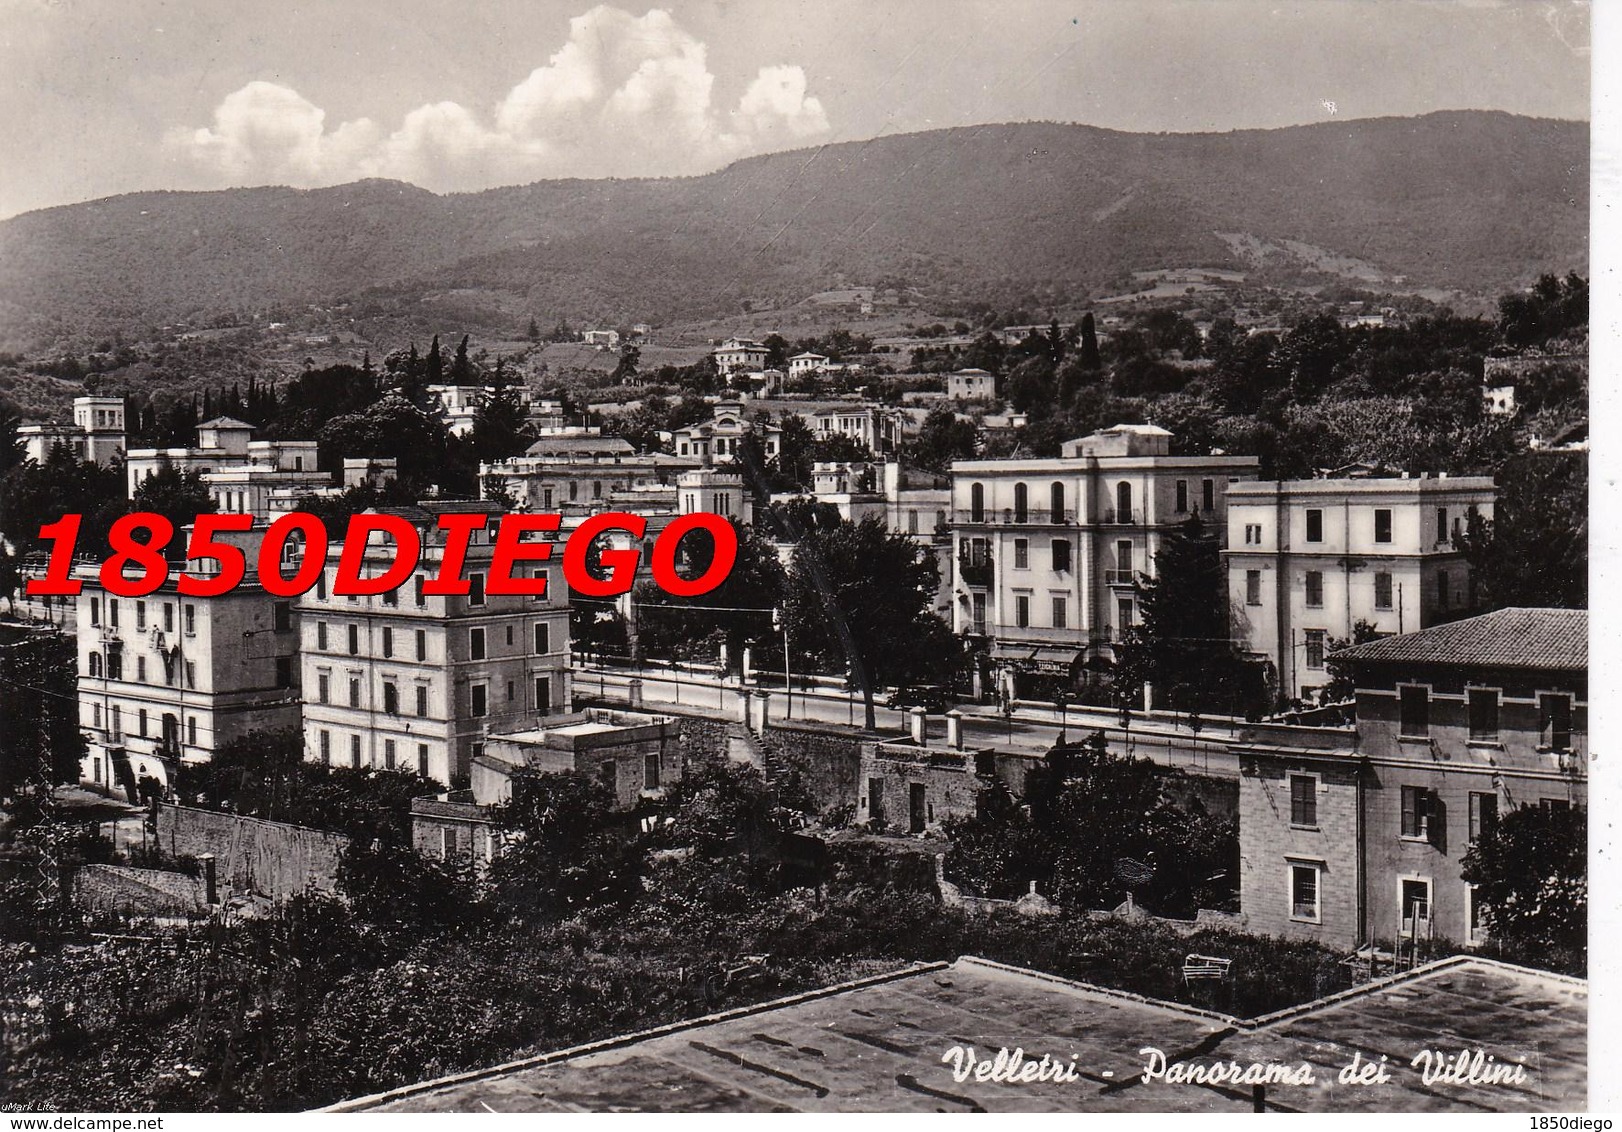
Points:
x=1021, y=503
x=1123, y=502
x=95, y=664
x=1056, y=502
x=977, y=503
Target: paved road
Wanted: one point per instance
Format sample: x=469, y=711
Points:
x=1030, y=730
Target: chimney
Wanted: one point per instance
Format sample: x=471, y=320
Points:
x=211, y=893
x=920, y=726
x=954, y=729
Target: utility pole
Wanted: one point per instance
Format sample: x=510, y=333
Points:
x=780, y=622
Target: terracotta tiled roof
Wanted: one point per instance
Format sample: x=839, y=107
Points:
x=1554, y=639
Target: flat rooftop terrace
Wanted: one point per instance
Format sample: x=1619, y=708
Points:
x=878, y=1045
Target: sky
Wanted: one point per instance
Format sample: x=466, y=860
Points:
x=99, y=97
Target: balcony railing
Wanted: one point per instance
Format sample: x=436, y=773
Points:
x=1009, y=517
x=1122, y=517
x=1119, y=577
x=976, y=571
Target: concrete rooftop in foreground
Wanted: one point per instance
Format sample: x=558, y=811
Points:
x=877, y=1046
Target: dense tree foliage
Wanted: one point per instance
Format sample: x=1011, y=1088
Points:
x=1083, y=814
x=1531, y=876
x=1534, y=550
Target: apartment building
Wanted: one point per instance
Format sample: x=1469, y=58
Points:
x=165, y=679
x=416, y=680
x=1352, y=838
x=1046, y=550
x=1309, y=559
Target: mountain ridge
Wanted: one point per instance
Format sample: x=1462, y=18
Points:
x=1473, y=201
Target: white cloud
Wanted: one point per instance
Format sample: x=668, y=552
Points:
x=624, y=96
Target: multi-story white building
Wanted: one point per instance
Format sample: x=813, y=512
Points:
x=165, y=679
x=740, y=354
x=971, y=385
x=867, y=425
x=1047, y=550
x=415, y=680
x=557, y=471
x=460, y=404
x=241, y=474
x=1309, y=559
x=96, y=434
x=807, y=364
x=716, y=440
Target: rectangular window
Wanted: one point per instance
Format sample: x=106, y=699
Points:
x=191, y=619
x=1123, y=614
x=475, y=644
x=388, y=641
x=480, y=694
x=1061, y=613
x=1303, y=800
x=1483, y=714
x=1315, y=525
x=112, y=612
x=321, y=634
x=1182, y=495
x=650, y=772
x=284, y=672
x=391, y=597
x=140, y=669
x=1304, y=892
x=1416, y=812
x=1123, y=559
x=354, y=640
x=422, y=699
x=323, y=688
x=95, y=611
x=1061, y=555
x=388, y=754
x=543, y=695
x=1382, y=591
x=447, y=842
x=1382, y=524
x=140, y=615
x=1444, y=590
x=509, y=636
x=1022, y=611
x=168, y=618
x=1315, y=648
x=281, y=613
x=1315, y=589
x=422, y=644
x=422, y=759
x=1022, y=553
x=140, y=723
x=1554, y=721
x=391, y=699
x=1414, y=711
x=543, y=638
x=354, y=692
x=326, y=747
x=608, y=773
x=1208, y=496
x=1253, y=587
x=420, y=597
x=475, y=592
x=321, y=586
x=1483, y=815
x=1441, y=525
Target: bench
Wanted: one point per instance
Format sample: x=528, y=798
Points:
x=1205, y=967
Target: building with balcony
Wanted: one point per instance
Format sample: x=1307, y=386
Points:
x=1310, y=559
x=1046, y=550
x=96, y=434
x=716, y=440
x=419, y=681
x=1358, y=838
x=166, y=679
x=868, y=425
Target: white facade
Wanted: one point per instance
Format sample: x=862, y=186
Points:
x=167, y=678
x=740, y=354
x=96, y=434
x=802, y=365
x=1308, y=559
x=417, y=681
x=867, y=425
x=1047, y=550
x=971, y=385
x=716, y=440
